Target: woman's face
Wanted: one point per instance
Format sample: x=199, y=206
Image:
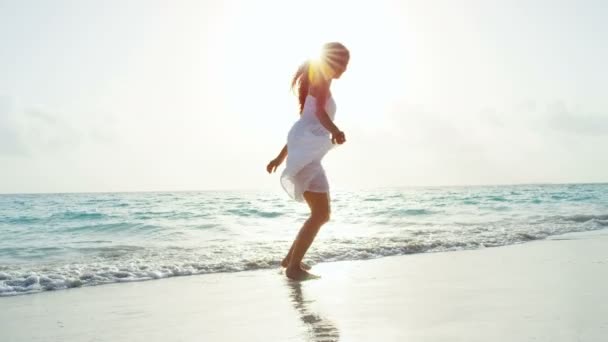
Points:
x=339, y=70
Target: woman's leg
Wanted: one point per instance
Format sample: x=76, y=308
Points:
x=285, y=261
x=319, y=215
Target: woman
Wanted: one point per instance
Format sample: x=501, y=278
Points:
x=307, y=142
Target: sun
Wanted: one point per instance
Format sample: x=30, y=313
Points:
x=315, y=53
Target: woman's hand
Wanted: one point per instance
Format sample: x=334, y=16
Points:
x=273, y=165
x=338, y=137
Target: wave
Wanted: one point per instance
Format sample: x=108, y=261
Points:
x=373, y=199
x=126, y=263
x=584, y=218
x=79, y=215
x=498, y=199
x=399, y=212
x=20, y=220
x=254, y=212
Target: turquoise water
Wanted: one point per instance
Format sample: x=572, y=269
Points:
x=58, y=241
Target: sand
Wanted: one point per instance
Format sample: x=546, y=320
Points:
x=549, y=290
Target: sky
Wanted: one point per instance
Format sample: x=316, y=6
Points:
x=101, y=96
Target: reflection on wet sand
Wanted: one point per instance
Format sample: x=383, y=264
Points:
x=320, y=329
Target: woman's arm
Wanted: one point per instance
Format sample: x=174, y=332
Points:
x=282, y=154
x=337, y=136
x=322, y=96
x=276, y=162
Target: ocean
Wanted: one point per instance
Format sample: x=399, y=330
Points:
x=60, y=241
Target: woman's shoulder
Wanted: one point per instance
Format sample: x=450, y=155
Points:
x=319, y=89
x=323, y=96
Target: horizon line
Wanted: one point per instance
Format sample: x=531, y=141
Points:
x=278, y=189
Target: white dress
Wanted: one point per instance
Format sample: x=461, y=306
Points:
x=307, y=143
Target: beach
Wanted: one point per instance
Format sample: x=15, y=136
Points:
x=546, y=290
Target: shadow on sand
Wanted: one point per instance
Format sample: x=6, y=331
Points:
x=320, y=329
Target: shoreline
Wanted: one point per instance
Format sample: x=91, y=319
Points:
x=128, y=281
x=543, y=290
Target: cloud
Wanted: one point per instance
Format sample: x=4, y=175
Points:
x=576, y=120
x=28, y=131
x=11, y=143
x=49, y=132
x=467, y=143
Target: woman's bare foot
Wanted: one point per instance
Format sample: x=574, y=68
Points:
x=296, y=273
x=303, y=265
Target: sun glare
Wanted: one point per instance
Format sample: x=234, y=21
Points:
x=315, y=55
